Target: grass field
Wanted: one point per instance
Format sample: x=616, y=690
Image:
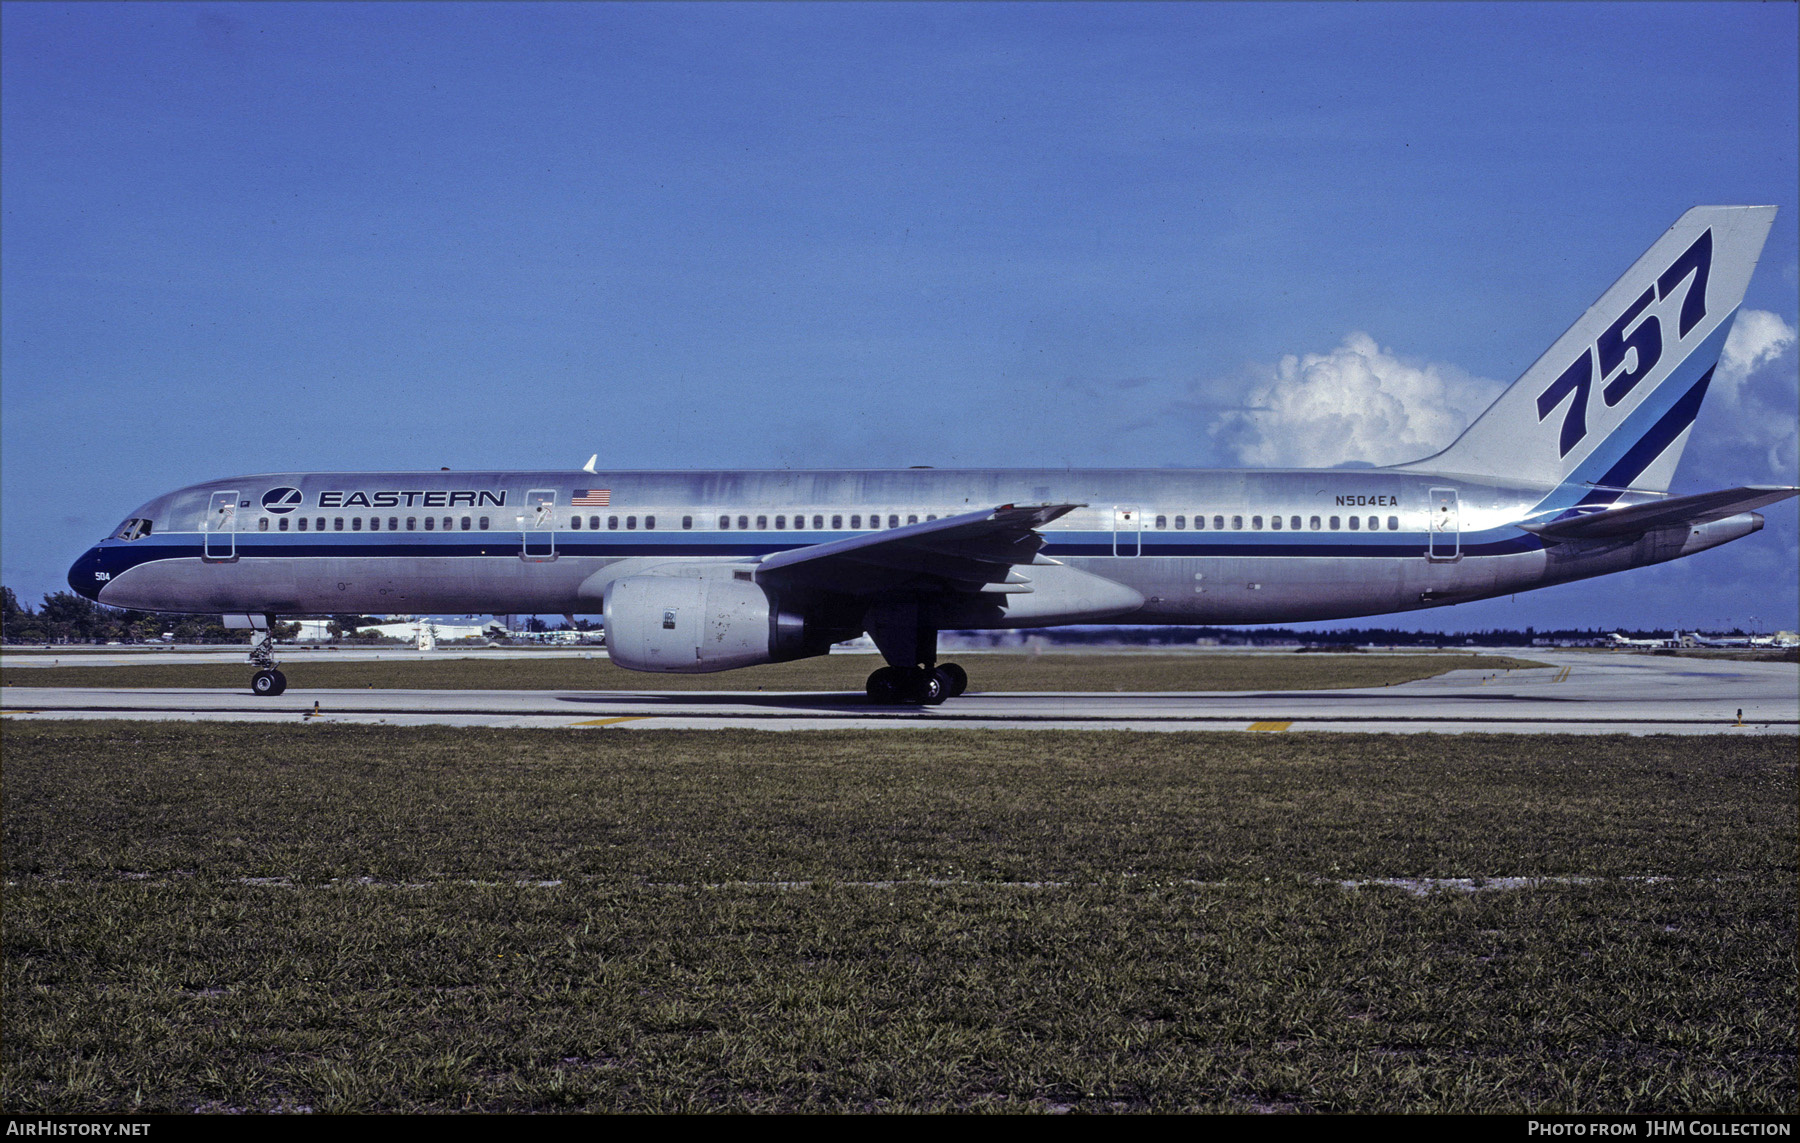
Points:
x=210, y=917
x=987, y=672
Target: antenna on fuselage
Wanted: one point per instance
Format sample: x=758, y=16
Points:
x=592, y=460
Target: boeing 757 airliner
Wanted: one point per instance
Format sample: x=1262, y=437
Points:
x=1565, y=476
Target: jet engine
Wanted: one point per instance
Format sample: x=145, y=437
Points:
x=689, y=625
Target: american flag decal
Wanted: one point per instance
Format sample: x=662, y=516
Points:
x=592, y=498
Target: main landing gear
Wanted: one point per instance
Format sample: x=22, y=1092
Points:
x=918, y=686
x=907, y=637
x=267, y=682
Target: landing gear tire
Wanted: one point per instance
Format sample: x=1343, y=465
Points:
x=926, y=688
x=915, y=687
x=884, y=685
x=956, y=680
x=268, y=683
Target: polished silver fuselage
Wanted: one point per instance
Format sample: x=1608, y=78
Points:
x=1199, y=546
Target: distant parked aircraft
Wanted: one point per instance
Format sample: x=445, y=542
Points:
x=1779, y=639
x=1619, y=640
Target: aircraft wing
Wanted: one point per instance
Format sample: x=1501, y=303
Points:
x=973, y=552
x=1703, y=508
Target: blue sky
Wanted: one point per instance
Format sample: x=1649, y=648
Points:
x=246, y=238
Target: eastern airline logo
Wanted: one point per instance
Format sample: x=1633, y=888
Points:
x=281, y=499
x=414, y=497
x=1617, y=345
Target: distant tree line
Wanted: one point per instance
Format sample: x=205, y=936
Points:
x=69, y=618
x=1285, y=637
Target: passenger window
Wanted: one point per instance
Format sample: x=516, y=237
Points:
x=1294, y=523
x=1256, y=523
x=856, y=522
x=575, y=523
x=1218, y=523
x=466, y=523
x=1334, y=523
x=931, y=517
x=631, y=523
x=1180, y=523
x=724, y=523
x=430, y=523
x=337, y=523
x=743, y=522
x=1393, y=523
x=1374, y=523
x=799, y=523
x=411, y=523
x=818, y=522
x=1315, y=523
x=780, y=523
x=303, y=523
x=687, y=522
x=1237, y=523
x=762, y=523
x=593, y=523
x=374, y=523
x=650, y=523
x=1354, y=522
x=893, y=521
x=446, y=523
x=1275, y=522
x=282, y=527
x=262, y=524
x=481, y=523
x=1162, y=522
x=319, y=524
x=394, y=524
x=837, y=523
x=612, y=523
x=913, y=519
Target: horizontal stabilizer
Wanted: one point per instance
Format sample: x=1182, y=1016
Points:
x=1677, y=511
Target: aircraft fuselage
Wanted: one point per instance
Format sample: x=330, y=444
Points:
x=1192, y=546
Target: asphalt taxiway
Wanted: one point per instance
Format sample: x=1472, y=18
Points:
x=1579, y=693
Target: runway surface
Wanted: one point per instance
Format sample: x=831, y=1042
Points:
x=1577, y=693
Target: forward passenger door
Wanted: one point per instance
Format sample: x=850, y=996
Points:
x=219, y=536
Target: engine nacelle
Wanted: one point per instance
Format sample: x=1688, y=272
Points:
x=688, y=625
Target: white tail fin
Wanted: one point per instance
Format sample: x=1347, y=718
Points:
x=1610, y=404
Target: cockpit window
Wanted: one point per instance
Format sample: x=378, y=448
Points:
x=133, y=529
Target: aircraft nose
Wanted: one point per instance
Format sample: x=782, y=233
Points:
x=88, y=574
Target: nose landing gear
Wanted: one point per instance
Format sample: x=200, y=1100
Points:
x=267, y=682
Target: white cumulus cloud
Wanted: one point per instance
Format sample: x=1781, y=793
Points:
x=1762, y=399
x=1757, y=337
x=1359, y=402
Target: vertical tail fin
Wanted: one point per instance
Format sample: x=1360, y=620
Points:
x=1610, y=404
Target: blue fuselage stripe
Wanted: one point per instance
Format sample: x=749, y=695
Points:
x=121, y=556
